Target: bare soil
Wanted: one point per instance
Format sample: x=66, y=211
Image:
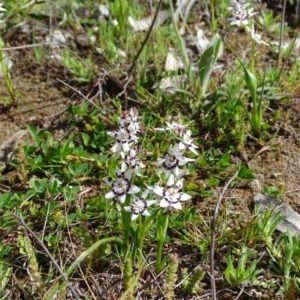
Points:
x=42, y=100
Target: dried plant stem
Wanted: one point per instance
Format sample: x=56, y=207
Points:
x=213, y=236
x=25, y=46
x=145, y=40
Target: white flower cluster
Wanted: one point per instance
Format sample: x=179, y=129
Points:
x=168, y=197
x=241, y=15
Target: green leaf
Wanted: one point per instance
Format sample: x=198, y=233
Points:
x=86, y=138
x=5, y=273
x=251, y=82
x=246, y=173
x=207, y=61
x=224, y=161
x=33, y=132
x=4, y=199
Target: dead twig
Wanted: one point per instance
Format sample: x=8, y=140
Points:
x=240, y=293
x=213, y=235
x=87, y=99
x=141, y=49
x=145, y=40
x=25, y=46
x=99, y=290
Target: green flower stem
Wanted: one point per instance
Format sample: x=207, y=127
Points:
x=161, y=230
x=144, y=229
x=126, y=226
x=252, y=67
x=137, y=232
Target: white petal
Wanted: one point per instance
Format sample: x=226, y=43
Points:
x=134, y=216
x=125, y=147
x=141, y=165
x=159, y=191
x=167, y=173
x=145, y=194
x=181, y=146
x=159, y=171
x=184, y=160
x=123, y=167
x=150, y=188
x=177, y=205
x=164, y=203
x=111, y=133
x=128, y=174
x=151, y=202
x=179, y=184
x=146, y=213
x=159, y=162
x=107, y=181
x=128, y=208
x=116, y=148
x=192, y=148
x=122, y=198
x=184, y=197
x=176, y=172
x=109, y=195
x=263, y=42
x=133, y=189
x=171, y=180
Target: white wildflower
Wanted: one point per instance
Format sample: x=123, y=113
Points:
x=175, y=127
x=171, y=197
x=237, y=5
x=171, y=162
x=124, y=139
x=187, y=142
x=120, y=186
x=240, y=17
x=129, y=121
x=255, y=35
x=140, y=205
x=131, y=162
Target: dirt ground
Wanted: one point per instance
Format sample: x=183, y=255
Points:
x=42, y=100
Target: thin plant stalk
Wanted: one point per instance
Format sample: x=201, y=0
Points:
x=252, y=66
x=162, y=223
x=144, y=229
x=126, y=225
